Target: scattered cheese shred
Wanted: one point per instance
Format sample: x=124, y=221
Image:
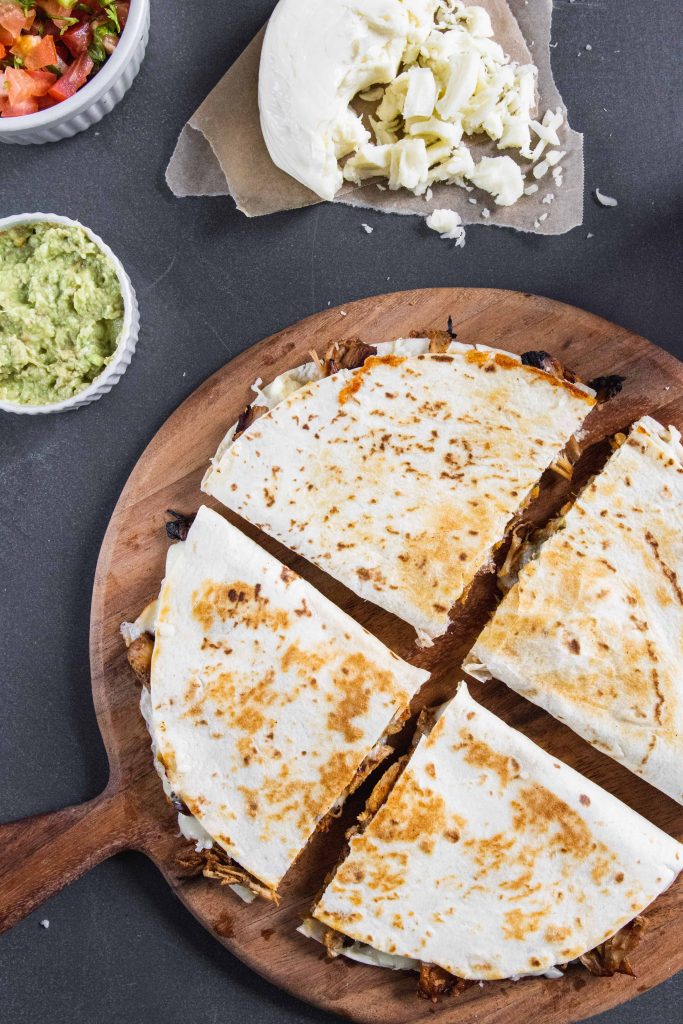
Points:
x=605, y=200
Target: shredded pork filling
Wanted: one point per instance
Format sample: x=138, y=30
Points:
x=605, y=960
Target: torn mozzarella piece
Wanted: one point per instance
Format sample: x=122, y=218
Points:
x=420, y=94
x=409, y=165
x=448, y=223
x=368, y=162
x=436, y=129
x=500, y=176
x=461, y=83
x=458, y=166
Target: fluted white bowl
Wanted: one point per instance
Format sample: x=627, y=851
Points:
x=95, y=99
x=120, y=361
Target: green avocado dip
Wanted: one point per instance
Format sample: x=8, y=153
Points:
x=61, y=312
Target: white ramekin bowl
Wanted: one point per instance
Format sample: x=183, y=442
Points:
x=96, y=98
x=120, y=361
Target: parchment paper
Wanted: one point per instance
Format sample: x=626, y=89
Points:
x=221, y=150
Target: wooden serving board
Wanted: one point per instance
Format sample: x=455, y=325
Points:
x=39, y=856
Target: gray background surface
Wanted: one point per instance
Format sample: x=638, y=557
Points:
x=210, y=283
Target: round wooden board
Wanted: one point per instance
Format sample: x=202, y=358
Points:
x=131, y=565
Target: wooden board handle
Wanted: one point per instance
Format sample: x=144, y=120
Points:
x=40, y=855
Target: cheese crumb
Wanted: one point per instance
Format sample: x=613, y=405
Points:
x=543, y=216
x=590, y=235
x=342, y=312
x=471, y=199
x=548, y=197
x=367, y=229
x=530, y=189
x=605, y=200
x=45, y=923
x=485, y=212
x=448, y=223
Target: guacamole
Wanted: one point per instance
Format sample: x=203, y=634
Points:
x=61, y=312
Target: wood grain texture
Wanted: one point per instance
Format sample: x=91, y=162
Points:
x=131, y=565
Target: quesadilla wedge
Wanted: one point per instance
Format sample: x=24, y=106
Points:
x=399, y=474
x=490, y=859
x=267, y=704
x=592, y=630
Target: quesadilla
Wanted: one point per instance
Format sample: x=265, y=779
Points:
x=399, y=474
x=490, y=859
x=267, y=703
x=592, y=630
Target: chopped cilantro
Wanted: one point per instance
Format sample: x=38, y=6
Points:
x=113, y=14
x=97, y=52
x=65, y=23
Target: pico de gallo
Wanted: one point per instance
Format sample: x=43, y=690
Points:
x=49, y=49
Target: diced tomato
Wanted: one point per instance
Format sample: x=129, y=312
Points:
x=20, y=90
x=27, y=106
x=17, y=86
x=78, y=38
x=12, y=19
x=36, y=52
x=42, y=82
x=73, y=78
x=21, y=85
x=46, y=101
x=3, y=51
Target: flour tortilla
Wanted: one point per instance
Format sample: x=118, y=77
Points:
x=593, y=630
x=400, y=477
x=265, y=697
x=491, y=859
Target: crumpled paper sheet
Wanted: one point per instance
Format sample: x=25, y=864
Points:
x=221, y=150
